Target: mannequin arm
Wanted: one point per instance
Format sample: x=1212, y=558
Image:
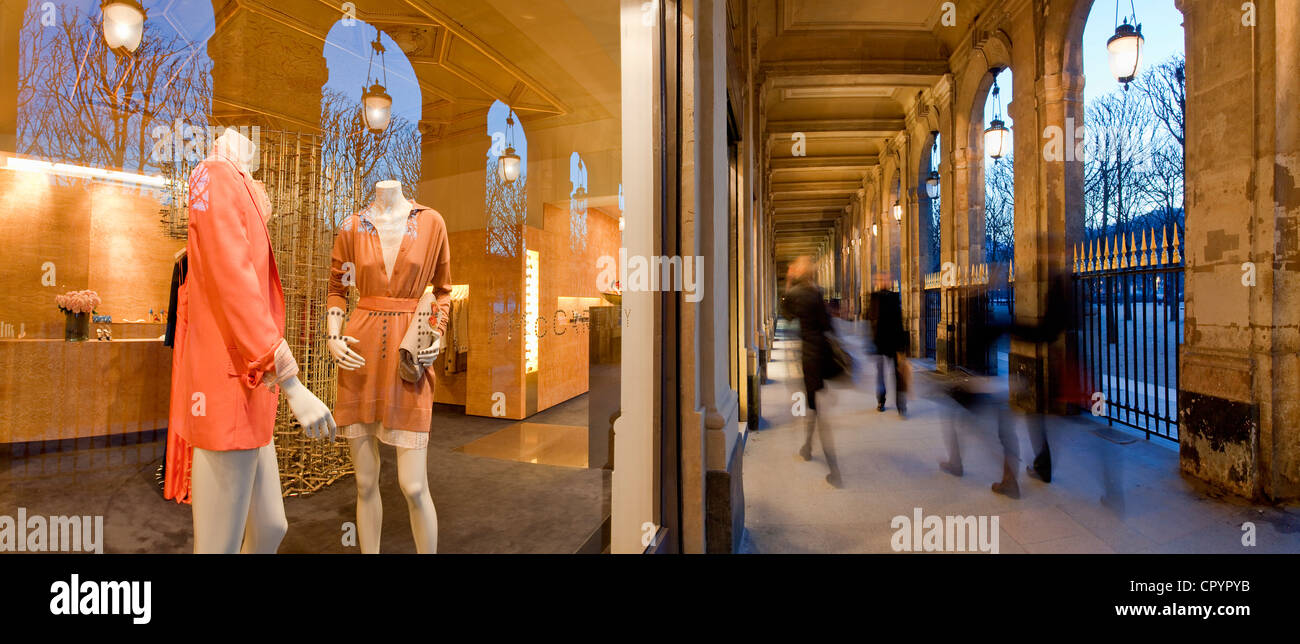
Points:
x=337, y=344
x=343, y=274
x=312, y=414
x=424, y=317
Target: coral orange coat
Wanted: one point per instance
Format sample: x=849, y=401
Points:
x=233, y=312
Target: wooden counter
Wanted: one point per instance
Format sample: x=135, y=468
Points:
x=55, y=390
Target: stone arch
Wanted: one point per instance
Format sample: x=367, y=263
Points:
x=974, y=86
x=927, y=210
x=346, y=51
x=967, y=145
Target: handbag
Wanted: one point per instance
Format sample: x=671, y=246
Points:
x=840, y=361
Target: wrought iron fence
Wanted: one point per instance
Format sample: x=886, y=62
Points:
x=930, y=315
x=960, y=301
x=1128, y=295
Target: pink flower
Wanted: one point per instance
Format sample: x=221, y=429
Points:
x=78, y=301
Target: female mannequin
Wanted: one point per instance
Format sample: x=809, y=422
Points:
x=391, y=252
x=230, y=354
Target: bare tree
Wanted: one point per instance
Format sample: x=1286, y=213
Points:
x=1162, y=191
x=999, y=210
x=1165, y=89
x=354, y=160
x=80, y=102
x=505, y=207
x=1121, y=137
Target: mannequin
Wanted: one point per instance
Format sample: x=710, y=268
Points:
x=231, y=357
x=405, y=294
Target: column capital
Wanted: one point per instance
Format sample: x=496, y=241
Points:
x=1061, y=86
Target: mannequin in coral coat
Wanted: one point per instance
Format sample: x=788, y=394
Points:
x=232, y=358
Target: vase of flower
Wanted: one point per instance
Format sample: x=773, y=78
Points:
x=77, y=307
x=77, y=328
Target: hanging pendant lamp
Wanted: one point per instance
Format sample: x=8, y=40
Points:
x=123, y=24
x=509, y=165
x=932, y=181
x=376, y=104
x=1124, y=48
x=997, y=138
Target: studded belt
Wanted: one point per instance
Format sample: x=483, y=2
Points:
x=389, y=304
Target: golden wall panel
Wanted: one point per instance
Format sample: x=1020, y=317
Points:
x=98, y=236
x=56, y=390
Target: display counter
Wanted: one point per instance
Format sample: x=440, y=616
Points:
x=56, y=390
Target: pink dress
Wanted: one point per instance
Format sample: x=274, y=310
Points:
x=375, y=393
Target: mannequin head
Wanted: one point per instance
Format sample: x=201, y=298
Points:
x=234, y=145
x=389, y=194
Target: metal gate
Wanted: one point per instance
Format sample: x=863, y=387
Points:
x=930, y=315
x=1128, y=295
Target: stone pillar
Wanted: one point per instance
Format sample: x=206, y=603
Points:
x=1048, y=222
x=11, y=20
x=1239, y=374
x=248, y=91
x=711, y=488
x=955, y=243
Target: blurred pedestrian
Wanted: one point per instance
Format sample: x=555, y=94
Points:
x=1062, y=390
x=975, y=392
x=804, y=301
x=889, y=342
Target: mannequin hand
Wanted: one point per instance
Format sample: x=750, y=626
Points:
x=344, y=356
x=426, y=356
x=312, y=414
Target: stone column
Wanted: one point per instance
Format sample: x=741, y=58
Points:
x=1048, y=222
x=1239, y=420
x=11, y=20
x=710, y=405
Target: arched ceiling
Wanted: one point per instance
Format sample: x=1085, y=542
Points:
x=554, y=58
x=844, y=74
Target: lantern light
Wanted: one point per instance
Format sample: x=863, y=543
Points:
x=509, y=165
x=932, y=185
x=898, y=210
x=376, y=104
x=123, y=24
x=1125, y=52
x=875, y=230
x=997, y=138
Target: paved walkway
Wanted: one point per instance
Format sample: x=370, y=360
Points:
x=890, y=467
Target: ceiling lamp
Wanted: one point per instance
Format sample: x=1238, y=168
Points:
x=875, y=230
x=376, y=104
x=509, y=165
x=1125, y=47
x=997, y=138
x=898, y=210
x=123, y=24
